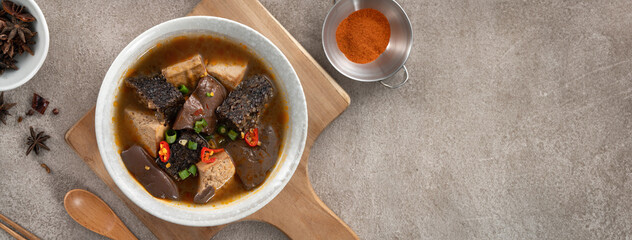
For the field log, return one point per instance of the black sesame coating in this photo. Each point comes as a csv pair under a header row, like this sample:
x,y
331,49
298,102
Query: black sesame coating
x,y
181,157
156,93
243,107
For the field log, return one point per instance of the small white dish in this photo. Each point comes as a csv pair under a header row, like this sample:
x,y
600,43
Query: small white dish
x,y
292,145
29,65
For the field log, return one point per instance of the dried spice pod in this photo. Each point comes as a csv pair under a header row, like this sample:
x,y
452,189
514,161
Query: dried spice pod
x,y
25,17
7,62
4,109
24,47
36,141
12,8
16,34
45,167
17,28
39,103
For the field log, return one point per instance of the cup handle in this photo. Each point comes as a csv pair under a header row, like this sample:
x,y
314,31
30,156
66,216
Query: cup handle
x,y
399,84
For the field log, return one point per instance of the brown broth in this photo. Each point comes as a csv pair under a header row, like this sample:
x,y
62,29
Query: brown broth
x,y
213,49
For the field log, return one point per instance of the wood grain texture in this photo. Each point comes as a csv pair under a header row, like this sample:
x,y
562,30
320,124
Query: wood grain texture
x,y
11,232
17,227
297,210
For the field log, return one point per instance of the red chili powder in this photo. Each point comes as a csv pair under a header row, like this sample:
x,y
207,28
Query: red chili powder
x,y
363,35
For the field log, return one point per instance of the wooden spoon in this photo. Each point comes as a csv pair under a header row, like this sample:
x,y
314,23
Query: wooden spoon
x,y
93,213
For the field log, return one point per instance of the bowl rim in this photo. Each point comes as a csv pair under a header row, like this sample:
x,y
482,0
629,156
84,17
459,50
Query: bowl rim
x,y
245,205
38,11
338,68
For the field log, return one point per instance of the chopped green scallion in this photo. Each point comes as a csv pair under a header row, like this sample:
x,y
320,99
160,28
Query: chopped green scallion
x,y
184,174
193,170
221,129
200,125
170,136
183,89
192,145
232,135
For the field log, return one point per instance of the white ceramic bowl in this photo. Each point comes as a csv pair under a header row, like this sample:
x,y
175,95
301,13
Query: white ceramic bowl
x,y
292,146
29,65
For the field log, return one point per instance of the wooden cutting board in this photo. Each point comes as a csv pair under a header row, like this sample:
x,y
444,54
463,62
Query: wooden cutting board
x,y
296,211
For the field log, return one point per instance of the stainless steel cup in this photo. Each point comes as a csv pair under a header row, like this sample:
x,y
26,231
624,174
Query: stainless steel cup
x,y
387,64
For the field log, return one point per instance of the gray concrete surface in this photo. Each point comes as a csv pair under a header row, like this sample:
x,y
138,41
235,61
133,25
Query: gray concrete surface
x,y
516,123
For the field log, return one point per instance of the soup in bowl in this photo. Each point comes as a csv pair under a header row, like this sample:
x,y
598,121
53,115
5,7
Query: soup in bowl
x,y
201,121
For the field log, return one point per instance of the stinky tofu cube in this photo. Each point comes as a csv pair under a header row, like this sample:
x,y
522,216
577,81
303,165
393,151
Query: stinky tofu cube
x,y
186,72
148,128
213,176
230,74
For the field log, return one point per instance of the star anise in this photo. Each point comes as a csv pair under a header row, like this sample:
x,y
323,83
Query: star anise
x,y
11,7
23,46
36,141
7,62
16,34
3,23
7,48
4,109
17,11
19,28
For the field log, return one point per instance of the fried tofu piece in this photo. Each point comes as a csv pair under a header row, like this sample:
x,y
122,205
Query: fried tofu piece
x,y
213,176
148,128
228,73
186,72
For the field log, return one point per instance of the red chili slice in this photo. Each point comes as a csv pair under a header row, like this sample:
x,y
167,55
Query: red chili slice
x,y
252,137
206,154
164,151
